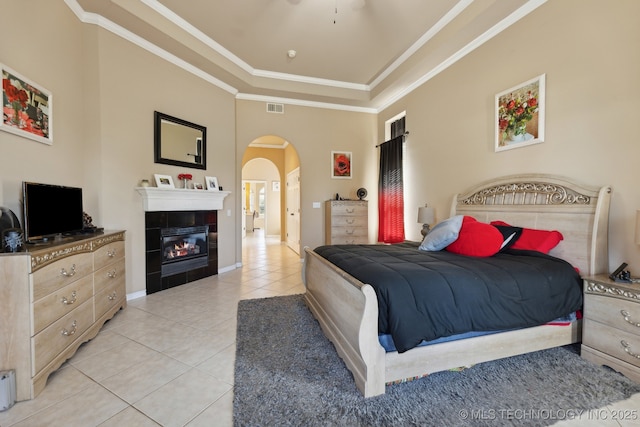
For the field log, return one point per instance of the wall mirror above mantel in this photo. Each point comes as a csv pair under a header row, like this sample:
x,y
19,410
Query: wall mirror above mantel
x,y
179,142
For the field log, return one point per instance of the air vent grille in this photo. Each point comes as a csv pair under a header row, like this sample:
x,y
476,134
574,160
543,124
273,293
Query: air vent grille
x,y
275,108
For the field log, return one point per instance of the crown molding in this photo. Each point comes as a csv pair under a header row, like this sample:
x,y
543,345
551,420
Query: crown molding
x,y
381,105
305,103
514,17
92,18
275,146
446,19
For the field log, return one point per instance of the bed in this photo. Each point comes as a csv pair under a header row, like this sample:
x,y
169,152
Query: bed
x,y
347,309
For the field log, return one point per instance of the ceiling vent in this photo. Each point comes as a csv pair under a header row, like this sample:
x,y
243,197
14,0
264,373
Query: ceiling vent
x,y
275,108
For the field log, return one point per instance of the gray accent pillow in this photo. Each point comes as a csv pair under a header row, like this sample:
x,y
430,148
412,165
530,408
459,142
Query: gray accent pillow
x,y
442,235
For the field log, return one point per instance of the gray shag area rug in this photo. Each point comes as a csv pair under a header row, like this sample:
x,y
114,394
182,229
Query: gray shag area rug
x,y
288,373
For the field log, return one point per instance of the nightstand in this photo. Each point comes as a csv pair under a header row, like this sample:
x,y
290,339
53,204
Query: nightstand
x,y
611,325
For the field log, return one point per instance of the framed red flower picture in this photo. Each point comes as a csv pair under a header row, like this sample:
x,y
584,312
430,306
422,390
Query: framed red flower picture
x,y
520,115
26,107
341,164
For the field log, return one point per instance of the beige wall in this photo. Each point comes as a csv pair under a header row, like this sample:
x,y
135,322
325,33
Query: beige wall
x,y
134,84
314,133
54,60
291,159
589,51
105,91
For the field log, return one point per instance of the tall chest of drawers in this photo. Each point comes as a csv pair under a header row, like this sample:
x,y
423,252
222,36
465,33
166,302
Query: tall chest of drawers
x,y
346,222
611,325
53,298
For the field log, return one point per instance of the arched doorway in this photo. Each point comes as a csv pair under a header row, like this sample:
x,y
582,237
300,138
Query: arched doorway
x,y
261,197
260,157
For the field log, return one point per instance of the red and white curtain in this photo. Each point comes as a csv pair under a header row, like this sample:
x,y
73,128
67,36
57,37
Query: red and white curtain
x,y
390,191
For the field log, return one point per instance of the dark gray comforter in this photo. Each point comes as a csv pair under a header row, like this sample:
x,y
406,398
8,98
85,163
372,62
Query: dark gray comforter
x,y
428,295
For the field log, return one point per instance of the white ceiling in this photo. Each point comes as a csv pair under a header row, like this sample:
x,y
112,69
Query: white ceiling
x,y
352,54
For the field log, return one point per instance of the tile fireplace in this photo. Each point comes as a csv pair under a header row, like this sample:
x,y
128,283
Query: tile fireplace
x,y
181,246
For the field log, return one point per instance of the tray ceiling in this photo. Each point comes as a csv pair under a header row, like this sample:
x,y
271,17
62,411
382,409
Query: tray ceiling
x,y
352,54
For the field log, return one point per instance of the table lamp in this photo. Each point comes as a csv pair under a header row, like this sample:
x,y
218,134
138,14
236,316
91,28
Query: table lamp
x,y
426,216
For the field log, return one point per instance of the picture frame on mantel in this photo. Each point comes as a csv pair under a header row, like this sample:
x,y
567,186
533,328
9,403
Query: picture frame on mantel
x,y
27,107
212,183
164,181
520,115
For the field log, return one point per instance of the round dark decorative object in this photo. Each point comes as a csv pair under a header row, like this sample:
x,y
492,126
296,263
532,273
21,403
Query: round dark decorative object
x,y
362,193
8,221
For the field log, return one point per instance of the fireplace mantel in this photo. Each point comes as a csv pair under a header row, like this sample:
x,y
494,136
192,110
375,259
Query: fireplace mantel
x,y
180,199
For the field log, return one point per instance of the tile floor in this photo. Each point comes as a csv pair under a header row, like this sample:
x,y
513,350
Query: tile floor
x,y
168,359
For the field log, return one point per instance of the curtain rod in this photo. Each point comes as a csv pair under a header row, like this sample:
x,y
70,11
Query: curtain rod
x,y
404,137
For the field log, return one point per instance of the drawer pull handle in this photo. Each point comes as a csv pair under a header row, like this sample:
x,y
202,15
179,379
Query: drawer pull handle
x,y
349,231
111,274
627,348
111,254
73,299
350,221
350,210
72,331
70,273
112,296
627,317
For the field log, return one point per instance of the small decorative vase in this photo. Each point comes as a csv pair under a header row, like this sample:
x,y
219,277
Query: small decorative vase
x,y
515,138
186,183
518,134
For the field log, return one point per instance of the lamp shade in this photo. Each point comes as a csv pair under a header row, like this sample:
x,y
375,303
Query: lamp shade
x,y
425,215
638,227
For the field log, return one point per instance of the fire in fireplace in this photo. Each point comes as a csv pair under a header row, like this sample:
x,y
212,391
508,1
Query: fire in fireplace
x,y
184,249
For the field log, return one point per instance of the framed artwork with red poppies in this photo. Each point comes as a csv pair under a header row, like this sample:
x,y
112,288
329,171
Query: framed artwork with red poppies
x,y
341,164
520,115
26,107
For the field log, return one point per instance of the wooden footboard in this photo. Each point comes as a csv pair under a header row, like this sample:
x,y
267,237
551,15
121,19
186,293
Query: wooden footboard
x,y
425,360
347,311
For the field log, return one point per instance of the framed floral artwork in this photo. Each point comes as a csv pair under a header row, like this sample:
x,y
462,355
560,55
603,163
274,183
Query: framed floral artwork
x,y
520,115
26,107
341,164
212,183
163,181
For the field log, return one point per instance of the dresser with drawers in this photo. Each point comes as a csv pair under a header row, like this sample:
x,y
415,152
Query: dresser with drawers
x,y
53,298
611,325
346,222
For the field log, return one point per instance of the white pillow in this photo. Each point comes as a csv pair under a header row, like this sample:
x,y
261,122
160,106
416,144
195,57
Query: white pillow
x,y
442,235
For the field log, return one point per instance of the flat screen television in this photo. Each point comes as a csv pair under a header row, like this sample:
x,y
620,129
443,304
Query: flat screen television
x,y
50,210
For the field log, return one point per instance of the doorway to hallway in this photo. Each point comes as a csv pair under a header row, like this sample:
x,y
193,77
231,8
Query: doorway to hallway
x,y
271,191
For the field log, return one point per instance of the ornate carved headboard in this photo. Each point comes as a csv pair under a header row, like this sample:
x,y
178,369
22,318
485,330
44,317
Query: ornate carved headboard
x,y
548,202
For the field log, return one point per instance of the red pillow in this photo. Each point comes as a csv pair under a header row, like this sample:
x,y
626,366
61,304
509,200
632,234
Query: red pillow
x,y
535,240
476,239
